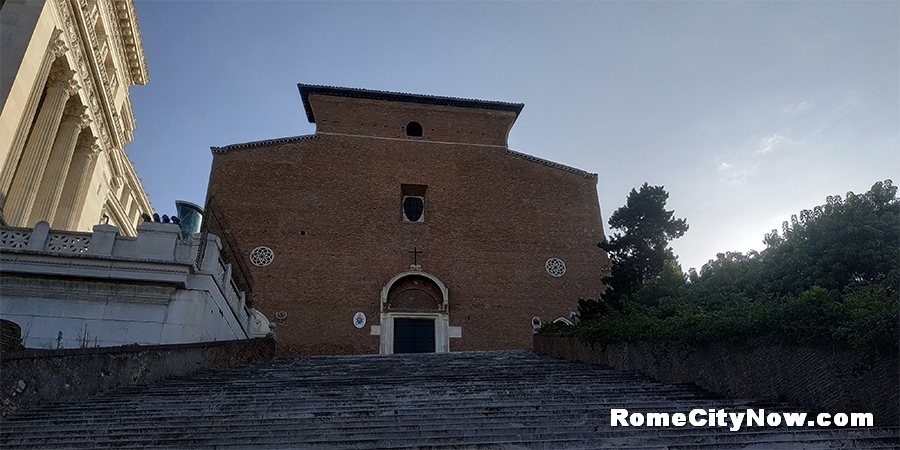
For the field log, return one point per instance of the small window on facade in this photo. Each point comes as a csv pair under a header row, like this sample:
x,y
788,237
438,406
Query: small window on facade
x,y
413,209
413,202
414,129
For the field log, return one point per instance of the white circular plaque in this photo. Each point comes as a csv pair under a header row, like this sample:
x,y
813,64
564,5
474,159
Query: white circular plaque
x,y
262,256
359,320
555,267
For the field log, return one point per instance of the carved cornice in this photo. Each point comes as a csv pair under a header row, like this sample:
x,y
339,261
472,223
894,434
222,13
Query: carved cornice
x,y
130,36
79,58
78,19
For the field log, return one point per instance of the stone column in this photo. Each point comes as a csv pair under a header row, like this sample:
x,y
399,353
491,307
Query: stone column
x,y
74,120
77,183
55,49
20,200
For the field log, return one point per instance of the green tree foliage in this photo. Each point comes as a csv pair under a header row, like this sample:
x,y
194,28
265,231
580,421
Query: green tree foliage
x,y
830,277
848,241
639,250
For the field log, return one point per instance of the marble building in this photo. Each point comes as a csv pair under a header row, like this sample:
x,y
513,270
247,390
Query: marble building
x,y
65,72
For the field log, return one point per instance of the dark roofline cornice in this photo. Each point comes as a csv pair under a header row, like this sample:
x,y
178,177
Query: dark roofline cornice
x,y
265,143
306,89
588,175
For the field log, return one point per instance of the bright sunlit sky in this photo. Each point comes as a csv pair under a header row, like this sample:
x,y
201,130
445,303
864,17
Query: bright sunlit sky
x,y
747,112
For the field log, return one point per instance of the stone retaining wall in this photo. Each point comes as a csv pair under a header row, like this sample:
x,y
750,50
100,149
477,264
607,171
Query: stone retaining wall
x,y
828,381
31,377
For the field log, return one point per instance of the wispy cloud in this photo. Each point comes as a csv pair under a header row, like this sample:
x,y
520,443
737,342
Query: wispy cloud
x,y
769,144
796,109
734,174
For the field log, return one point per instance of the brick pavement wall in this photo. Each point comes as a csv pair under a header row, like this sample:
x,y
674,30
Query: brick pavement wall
x,y
31,377
827,380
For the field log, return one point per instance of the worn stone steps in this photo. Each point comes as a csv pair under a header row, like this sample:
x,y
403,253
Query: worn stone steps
x,y
449,406
461,400
328,431
545,440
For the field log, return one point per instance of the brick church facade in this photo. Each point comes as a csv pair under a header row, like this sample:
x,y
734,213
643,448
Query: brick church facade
x,y
405,224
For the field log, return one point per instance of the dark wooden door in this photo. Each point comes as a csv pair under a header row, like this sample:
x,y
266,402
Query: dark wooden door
x,y
413,335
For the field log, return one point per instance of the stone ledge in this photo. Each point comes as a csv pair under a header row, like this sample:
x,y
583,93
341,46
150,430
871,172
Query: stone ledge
x,y
31,377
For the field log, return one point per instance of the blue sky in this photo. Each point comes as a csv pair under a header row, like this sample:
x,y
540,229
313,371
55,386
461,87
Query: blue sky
x,y
747,112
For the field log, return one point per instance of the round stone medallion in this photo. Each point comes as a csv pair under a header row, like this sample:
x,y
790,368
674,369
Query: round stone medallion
x,y
262,256
555,267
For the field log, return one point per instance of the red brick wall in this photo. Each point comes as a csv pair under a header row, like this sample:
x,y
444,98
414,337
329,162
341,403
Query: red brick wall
x,y
388,120
330,209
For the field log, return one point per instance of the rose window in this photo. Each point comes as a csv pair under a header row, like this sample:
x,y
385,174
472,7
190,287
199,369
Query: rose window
x,y
262,256
555,267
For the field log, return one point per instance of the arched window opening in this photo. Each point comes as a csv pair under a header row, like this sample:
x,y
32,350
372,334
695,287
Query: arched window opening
x,y
414,129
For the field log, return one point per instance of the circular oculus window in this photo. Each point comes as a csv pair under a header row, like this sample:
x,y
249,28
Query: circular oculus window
x,y
555,267
262,256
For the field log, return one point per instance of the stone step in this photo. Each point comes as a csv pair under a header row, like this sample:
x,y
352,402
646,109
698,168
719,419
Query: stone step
x,y
472,437
701,442
177,412
462,400
400,428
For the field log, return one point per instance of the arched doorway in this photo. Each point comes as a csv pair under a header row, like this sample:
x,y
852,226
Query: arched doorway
x,y
414,315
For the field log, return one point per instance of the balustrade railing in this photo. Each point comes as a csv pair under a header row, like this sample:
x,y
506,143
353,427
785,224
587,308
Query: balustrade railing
x,y
224,278
43,239
53,241
14,239
67,243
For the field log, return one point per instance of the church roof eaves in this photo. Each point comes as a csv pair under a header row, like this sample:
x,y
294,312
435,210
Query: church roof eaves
x,y
265,143
588,175
306,89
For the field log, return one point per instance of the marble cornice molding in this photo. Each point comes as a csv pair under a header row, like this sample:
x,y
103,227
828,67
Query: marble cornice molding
x,y
79,59
87,49
123,40
99,291
130,37
87,266
74,44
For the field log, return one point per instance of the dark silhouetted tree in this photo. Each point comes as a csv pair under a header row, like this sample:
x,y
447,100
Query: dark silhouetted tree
x,y
639,249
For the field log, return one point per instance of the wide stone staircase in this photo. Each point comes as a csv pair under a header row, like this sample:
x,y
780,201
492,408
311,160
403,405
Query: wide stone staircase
x,y
496,400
